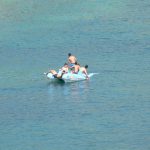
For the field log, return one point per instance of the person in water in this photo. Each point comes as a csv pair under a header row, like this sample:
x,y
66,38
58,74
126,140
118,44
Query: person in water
x,y
71,60
63,70
84,70
76,68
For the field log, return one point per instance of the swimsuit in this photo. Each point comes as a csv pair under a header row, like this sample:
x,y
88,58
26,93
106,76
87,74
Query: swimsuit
x,y
71,65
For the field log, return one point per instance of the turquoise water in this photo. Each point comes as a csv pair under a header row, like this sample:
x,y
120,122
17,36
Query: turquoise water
x,y
111,111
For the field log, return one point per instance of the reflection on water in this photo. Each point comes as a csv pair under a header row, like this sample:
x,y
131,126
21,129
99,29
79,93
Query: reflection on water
x,y
74,89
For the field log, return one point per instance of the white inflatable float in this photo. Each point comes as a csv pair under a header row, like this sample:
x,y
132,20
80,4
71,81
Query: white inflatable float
x,y
68,77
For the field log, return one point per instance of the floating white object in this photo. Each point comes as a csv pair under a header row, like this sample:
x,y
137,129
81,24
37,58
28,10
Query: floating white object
x,y
69,77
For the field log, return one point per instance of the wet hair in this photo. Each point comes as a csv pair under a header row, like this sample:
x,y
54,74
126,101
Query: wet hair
x,y
76,63
69,54
86,66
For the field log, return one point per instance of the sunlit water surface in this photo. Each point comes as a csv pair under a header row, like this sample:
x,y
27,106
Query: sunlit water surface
x,y
108,112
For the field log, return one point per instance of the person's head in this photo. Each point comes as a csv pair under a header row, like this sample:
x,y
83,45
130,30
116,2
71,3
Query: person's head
x,y
76,63
65,65
69,54
86,66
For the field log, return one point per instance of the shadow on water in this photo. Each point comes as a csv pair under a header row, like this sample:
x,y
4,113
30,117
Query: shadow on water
x,y
56,83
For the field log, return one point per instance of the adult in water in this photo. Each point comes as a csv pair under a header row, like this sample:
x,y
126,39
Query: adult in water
x,y
62,71
71,60
65,68
76,68
84,70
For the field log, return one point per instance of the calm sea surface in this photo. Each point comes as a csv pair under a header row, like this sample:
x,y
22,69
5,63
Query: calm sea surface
x,y
109,112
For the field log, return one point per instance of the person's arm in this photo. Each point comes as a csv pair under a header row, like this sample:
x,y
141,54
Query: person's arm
x,y
68,61
85,72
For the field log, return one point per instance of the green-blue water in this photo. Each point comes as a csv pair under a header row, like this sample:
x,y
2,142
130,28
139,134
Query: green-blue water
x,y
109,112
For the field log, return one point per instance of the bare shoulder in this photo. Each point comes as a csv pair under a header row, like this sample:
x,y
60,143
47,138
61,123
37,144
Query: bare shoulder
x,y
72,56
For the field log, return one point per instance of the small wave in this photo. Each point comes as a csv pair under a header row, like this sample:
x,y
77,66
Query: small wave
x,y
92,74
